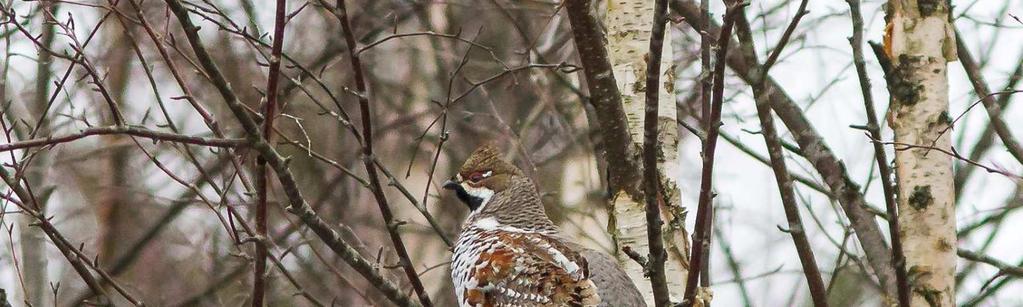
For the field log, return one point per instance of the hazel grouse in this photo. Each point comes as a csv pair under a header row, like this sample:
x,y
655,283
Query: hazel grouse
x,y
509,253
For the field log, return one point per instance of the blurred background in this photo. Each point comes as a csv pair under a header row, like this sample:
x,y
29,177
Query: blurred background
x,y
443,77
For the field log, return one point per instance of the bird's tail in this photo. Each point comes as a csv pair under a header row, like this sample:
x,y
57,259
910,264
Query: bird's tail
x,y
586,294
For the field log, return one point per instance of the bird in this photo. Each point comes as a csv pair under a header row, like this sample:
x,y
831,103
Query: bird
x,y
509,253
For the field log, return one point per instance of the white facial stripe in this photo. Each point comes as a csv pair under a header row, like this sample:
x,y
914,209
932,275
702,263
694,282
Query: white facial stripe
x,y
487,174
479,192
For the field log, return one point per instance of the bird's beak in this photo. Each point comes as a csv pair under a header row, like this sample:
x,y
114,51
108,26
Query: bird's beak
x,y
451,184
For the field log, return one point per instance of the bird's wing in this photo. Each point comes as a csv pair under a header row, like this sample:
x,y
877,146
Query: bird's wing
x,y
530,269
613,285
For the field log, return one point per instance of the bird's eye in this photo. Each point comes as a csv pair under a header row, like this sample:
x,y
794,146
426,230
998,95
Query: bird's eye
x,y
479,176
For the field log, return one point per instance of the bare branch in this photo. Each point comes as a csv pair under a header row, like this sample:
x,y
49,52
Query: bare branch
x,y
814,149
125,130
651,179
367,150
704,212
299,206
774,148
1003,267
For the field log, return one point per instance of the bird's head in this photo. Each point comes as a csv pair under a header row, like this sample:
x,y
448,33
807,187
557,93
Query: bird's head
x,y
482,175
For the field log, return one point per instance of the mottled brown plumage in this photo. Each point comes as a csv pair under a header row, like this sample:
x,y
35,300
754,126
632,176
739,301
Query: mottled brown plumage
x,y
510,253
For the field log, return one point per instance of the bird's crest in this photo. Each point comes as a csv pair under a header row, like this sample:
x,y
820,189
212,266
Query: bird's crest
x,y
487,158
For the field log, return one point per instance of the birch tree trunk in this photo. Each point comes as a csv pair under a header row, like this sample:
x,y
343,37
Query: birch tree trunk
x,y
920,42
628,24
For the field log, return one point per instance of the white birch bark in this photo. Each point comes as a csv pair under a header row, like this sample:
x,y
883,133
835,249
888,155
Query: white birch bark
x,y
628,24
920,42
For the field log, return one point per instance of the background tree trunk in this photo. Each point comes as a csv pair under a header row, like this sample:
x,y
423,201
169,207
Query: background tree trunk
x,y
920,42
116,200
33,249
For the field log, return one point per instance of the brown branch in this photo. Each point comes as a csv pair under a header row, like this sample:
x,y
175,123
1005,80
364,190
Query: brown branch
x,y
815,150
124,130
341,12
298,206
635,256
127,258
818,293
259,274
81,59
704,212
884,169
67,72
1003,267
784,40
391,181
443,118
651,179
604,96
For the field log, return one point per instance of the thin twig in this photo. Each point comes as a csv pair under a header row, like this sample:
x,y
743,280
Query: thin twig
x,y
987,137
953,153
702,230
341,12
298,206
816,151
456,36
733,265
207,117
994,110
1003,267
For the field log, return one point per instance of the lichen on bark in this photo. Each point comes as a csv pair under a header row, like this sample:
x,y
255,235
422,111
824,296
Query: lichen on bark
x,y
904,89
921,197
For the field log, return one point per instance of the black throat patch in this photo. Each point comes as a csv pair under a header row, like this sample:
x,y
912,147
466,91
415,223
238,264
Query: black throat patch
x,y
472,201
